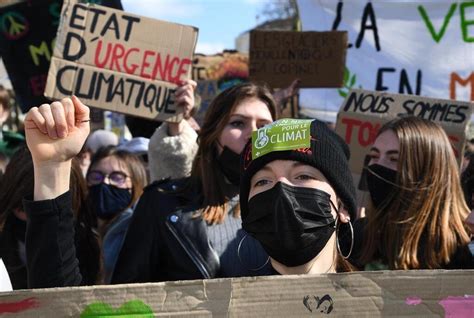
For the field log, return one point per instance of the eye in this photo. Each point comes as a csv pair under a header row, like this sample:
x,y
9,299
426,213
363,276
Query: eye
x,y
118,177
261,183
394,159
237,123
305,177
95,177
374,155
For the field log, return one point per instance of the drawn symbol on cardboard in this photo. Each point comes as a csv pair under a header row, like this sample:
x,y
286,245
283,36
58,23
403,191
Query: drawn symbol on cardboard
x,y
14,25
262,139
315,304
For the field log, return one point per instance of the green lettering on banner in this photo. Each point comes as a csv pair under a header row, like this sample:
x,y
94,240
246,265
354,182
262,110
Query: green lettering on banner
x,y
437,36
465,23
284,134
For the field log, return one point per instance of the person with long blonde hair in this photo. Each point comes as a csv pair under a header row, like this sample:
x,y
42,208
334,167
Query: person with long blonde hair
x,y
418,209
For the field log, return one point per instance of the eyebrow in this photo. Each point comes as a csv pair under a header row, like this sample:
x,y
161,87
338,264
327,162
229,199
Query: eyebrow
x,y
390,152
238,115
248,117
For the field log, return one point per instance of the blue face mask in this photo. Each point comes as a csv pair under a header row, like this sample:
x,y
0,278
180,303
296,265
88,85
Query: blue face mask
x,y
108,200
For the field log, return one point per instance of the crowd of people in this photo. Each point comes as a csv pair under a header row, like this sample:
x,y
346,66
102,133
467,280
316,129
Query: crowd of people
x,y
226,199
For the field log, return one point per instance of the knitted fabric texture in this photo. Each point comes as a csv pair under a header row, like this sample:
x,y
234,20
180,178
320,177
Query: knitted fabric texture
x,y
171,156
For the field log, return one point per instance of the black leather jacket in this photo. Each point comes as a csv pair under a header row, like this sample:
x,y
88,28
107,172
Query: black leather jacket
x,y
165,240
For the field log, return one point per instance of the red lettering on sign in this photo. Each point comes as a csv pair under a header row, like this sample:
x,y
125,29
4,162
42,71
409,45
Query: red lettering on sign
x,y
117,55
349,122
152,65
366,131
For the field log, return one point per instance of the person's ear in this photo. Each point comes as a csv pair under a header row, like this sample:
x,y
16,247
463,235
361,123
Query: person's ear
x,y
343,214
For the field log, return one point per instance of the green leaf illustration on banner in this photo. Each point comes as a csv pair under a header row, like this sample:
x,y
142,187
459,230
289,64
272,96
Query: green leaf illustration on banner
x,y
349,83
133,308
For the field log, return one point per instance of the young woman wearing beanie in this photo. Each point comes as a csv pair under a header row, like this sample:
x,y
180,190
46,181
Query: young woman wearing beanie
x,y
297,196
418,212
181,229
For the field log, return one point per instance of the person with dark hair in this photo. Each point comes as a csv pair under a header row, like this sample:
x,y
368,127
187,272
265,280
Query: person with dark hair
x,y
19,184
418,210
191,228
297,196
116,179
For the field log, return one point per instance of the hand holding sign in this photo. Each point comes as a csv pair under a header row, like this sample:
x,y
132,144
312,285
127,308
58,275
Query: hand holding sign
x,y
184,97
184,100
56,132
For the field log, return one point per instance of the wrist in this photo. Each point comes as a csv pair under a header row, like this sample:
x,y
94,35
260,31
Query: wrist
x,y
175,128
51,179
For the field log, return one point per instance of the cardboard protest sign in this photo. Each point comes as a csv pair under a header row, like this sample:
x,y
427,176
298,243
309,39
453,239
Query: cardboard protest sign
x,y
407,47
418,293
364,112
119,61
316,58
215,73
27,35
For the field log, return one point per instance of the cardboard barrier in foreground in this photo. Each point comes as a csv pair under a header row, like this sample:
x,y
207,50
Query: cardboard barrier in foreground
x,y
364,112
316,58
119,61
360,294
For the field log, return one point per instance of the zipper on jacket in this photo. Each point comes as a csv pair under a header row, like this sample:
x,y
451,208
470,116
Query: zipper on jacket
x,y
188,251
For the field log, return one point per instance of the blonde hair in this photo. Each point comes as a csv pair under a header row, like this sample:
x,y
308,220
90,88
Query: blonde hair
x,y
422,225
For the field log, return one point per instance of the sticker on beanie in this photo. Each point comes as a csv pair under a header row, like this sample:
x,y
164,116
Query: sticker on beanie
x,y
283,134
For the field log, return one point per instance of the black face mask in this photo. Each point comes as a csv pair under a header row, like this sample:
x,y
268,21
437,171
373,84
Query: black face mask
x,y
108,200
229,162
381,183
293,224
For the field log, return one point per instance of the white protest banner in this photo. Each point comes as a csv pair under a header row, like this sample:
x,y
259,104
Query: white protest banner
x,y
412,47
118,61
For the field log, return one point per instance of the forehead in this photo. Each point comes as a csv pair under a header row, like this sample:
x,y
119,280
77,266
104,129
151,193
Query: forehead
x,y
252,107
283,167
111,163
387,141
